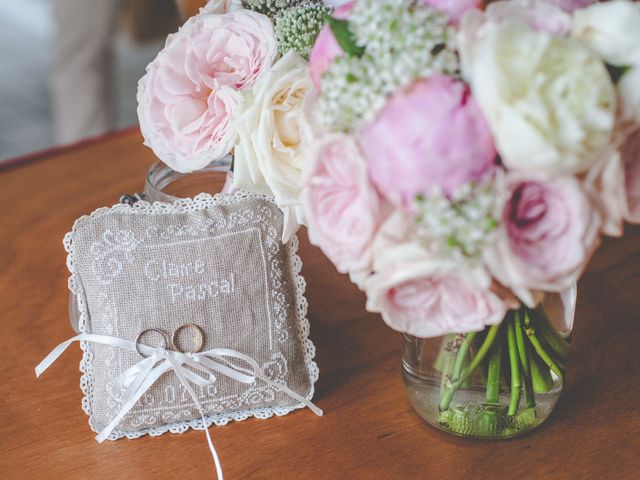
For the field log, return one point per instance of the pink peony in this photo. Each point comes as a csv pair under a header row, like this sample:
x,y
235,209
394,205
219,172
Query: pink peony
x,y
431,135
455,9
548,232
429,297
326,47
342,208
187,100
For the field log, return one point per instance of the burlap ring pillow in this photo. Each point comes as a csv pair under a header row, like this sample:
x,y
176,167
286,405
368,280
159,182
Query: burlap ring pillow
x,y
217,262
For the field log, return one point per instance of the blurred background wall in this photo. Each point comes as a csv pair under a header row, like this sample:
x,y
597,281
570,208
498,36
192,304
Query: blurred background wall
x,y
61,61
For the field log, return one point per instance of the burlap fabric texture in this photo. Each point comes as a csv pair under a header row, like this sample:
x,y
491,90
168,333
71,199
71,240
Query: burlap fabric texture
x,y
217,262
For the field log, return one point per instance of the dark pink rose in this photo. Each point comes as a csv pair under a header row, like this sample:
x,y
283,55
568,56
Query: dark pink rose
x,y
549,229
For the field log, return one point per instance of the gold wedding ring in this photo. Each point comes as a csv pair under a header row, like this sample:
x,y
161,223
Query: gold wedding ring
x,y
163,334
199,336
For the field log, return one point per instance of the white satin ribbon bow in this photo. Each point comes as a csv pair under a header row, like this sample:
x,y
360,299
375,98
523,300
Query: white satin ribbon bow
x,y
136,381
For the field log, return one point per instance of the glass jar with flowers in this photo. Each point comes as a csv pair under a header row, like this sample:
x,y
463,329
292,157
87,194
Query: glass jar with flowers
x,y
463,163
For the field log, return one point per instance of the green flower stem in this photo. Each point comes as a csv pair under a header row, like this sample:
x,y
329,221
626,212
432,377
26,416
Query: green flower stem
x,y
493,376
482,352
452,386
453,374
536,325
557,343
540,376
444,354
523,354
537,345
462,355
447,359
516,385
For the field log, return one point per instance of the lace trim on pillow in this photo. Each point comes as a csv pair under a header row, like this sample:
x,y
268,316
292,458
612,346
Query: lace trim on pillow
x,y
200,202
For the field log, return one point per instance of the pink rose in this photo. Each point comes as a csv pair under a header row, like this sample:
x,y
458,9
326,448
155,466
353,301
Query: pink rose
x,y
548,232
429,297
454,8
342,208
431,135
326,48
615,182
605,182
187,100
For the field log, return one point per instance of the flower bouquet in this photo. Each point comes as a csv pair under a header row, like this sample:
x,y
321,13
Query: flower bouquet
x,y
462,164
232,81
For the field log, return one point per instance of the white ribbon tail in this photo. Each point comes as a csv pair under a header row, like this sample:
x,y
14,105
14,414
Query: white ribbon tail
x,y
214,453
55,353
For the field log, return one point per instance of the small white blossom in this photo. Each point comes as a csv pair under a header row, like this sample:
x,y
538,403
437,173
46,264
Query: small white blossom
x,y
403,42
460,225
270,8
298,27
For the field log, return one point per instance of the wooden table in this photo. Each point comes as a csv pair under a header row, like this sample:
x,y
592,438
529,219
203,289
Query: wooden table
x,y
369,430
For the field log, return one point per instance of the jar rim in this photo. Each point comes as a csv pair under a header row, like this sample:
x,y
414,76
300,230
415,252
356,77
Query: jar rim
x,y
160,176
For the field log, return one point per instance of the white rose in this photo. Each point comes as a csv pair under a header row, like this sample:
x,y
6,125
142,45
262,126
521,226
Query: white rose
x,y
269,157
549,101
610,29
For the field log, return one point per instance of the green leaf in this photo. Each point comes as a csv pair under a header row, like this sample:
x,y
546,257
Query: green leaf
x,y
344,37
616,72
492,224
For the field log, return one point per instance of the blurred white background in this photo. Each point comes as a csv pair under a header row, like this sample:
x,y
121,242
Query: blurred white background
x,y
27,55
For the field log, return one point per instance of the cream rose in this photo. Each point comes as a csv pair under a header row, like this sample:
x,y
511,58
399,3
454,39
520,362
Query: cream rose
x,y
611,29
549,101
268,155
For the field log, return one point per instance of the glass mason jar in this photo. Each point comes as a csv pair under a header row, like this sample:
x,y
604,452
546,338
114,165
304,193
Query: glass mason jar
x,y
498,383
166,185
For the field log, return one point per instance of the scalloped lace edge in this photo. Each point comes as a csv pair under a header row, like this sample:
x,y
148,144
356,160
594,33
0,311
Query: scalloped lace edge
x,y
200,202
